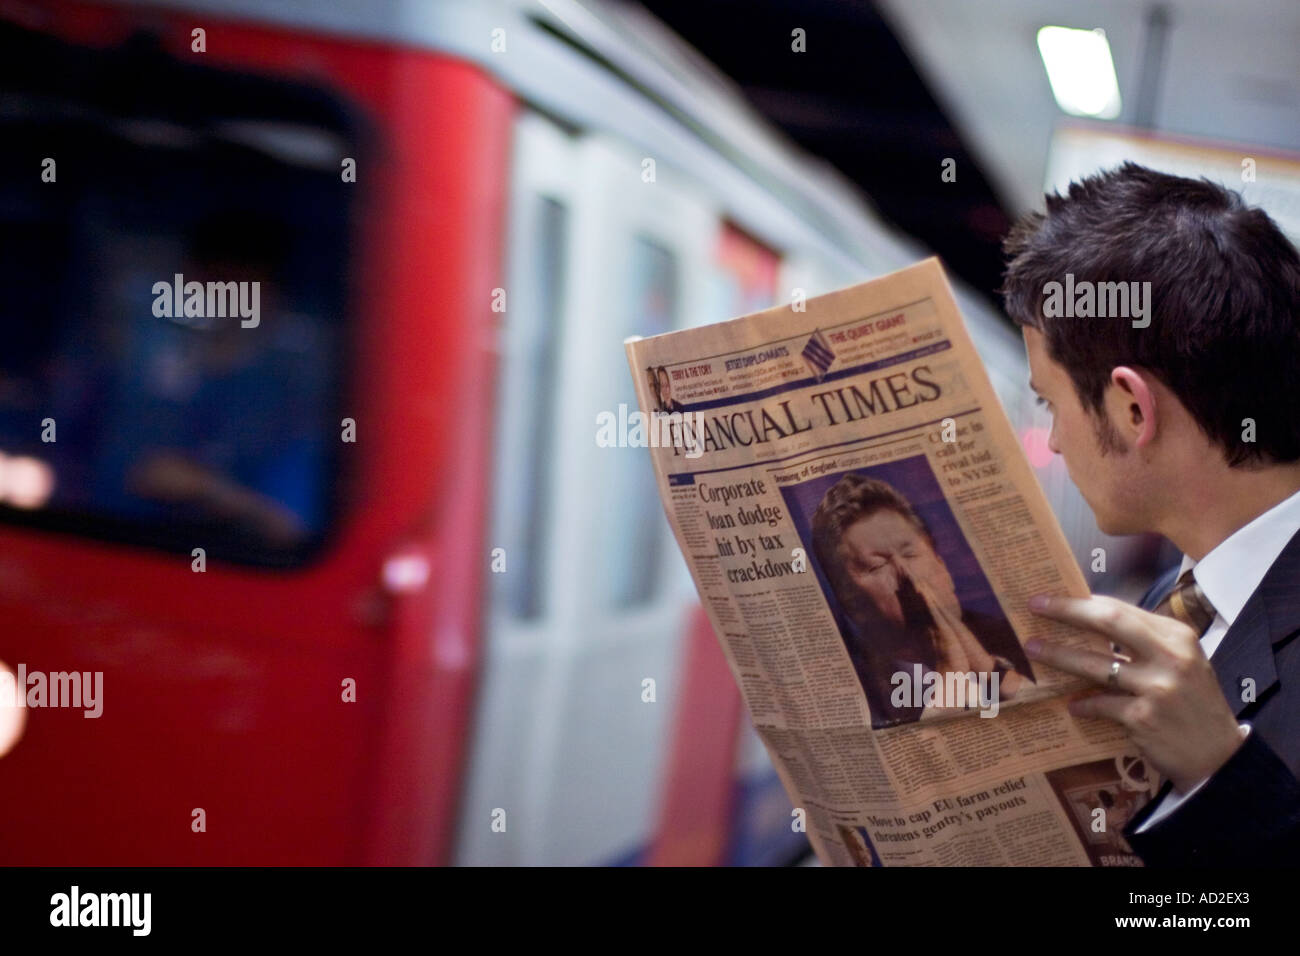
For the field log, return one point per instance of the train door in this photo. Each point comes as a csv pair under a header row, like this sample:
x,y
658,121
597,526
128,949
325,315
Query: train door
x,y
520,593
634,616
175,543
811,276
589,598
722,800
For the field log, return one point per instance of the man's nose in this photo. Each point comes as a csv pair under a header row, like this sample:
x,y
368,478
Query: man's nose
x,y
904,565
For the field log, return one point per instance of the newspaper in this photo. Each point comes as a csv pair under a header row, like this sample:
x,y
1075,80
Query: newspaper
x,y
865,532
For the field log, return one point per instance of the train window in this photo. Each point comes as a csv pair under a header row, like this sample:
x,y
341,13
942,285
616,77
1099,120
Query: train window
x,y
172,306
632,550
529,387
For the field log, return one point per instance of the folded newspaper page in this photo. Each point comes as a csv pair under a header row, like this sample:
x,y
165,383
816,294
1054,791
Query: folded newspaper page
x,y
865,532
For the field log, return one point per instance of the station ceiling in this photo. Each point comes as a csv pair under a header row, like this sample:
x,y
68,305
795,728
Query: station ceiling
x,y
887,90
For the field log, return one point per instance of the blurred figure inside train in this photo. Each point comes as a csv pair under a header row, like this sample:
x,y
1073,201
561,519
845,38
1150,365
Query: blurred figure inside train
x,y
209,397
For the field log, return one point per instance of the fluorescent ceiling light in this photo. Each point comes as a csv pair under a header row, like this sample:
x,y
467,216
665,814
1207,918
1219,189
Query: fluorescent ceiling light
x,y
1081,71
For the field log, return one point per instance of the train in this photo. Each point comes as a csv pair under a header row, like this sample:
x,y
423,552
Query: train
x,y
360,584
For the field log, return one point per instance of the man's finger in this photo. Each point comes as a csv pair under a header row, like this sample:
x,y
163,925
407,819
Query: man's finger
x,y
1082,663
1119,622
1116,707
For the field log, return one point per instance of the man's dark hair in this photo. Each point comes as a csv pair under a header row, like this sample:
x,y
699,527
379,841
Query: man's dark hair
x,y
848,501
1224,332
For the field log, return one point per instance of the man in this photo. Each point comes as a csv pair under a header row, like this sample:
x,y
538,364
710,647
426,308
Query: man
x,y
902,607
652,379
666,393
214,422
859,846
1185,422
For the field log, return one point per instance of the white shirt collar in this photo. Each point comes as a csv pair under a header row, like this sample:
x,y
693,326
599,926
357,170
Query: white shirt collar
x,y
1234,568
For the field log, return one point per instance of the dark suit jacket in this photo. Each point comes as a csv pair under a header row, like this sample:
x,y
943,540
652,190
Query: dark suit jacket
x,y
1247,814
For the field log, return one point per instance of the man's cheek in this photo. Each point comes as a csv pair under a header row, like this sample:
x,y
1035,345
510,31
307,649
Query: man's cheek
x,y
880,598
860,583
932,574
889,607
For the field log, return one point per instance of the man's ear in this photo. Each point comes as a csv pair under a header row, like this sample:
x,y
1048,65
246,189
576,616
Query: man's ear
x,y
1132,404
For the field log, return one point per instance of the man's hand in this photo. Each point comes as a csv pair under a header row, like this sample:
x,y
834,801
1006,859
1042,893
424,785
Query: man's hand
x,y
1167,695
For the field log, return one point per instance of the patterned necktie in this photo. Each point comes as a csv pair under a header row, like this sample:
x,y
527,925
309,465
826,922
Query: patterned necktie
x,y
1188,603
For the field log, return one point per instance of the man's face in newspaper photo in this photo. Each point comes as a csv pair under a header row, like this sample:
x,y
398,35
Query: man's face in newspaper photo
x,y
881,549
1120,806
1099,463
665,387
